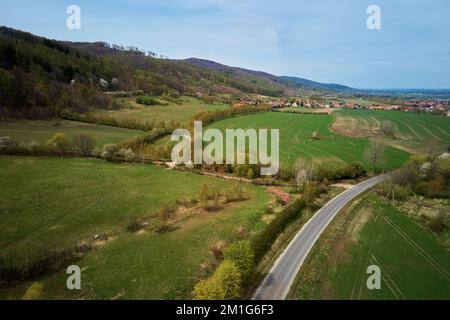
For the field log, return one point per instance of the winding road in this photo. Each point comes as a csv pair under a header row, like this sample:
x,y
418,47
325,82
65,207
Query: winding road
x,y
277,283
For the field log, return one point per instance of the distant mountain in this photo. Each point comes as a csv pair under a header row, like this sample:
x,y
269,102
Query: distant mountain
x,y
308,84
290,83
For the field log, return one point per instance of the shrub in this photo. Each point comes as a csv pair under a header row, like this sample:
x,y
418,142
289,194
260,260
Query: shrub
x,y
242,255
109,151
84,144
61,142
203,196
437,223
126,154
236,193
164,215
392,191
148,101
408,174
8,145
435,187
209,289
224,284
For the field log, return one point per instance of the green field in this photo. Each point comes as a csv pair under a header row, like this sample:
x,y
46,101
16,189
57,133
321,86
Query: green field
x,y
41,131
413,263
296,141
49,203
181,112
413,132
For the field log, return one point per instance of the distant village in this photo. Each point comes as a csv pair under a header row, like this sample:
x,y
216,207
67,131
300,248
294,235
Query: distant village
x,y
441,107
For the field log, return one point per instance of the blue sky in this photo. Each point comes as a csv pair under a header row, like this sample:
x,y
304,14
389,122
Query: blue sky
x,y
322,40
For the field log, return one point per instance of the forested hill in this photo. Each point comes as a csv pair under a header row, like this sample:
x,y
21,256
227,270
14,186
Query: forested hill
x,y
41,77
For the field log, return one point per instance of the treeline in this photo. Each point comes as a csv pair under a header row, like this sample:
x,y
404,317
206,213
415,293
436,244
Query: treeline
x,y
427,176
58,145
289,173
148,125
423,176
208,117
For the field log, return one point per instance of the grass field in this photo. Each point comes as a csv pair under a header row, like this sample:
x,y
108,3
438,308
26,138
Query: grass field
x,y
413,132
49,203
413,263
296,141
42,131
182,112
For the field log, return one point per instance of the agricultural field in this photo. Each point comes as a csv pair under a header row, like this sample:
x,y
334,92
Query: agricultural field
x,y
51,203
412,132
296,141
414,263
180,112
41,131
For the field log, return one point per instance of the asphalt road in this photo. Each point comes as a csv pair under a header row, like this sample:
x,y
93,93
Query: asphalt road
x,y
279,280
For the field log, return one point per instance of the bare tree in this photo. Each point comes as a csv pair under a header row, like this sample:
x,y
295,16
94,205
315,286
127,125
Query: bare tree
x,y
374,154
84,144
303,171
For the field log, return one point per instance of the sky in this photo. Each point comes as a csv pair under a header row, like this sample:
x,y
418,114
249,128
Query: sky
x,y
321,40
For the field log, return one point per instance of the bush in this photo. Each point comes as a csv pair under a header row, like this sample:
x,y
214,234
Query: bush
x,y
235,194
242,255
8,145
84,144
209,289
148,101
108,152
224,284
164,215
60,142
392,191
435,187
203,196
125,154
437,223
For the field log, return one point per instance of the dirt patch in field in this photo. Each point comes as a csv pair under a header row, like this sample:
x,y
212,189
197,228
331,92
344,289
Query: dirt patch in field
x,y
350,127
358,223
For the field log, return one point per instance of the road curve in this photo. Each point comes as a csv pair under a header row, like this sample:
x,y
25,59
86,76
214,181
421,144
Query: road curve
x,y
277,283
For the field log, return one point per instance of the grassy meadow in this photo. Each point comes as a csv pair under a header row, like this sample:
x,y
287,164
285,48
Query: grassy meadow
x,y
42,130
296,141
413,263
50,203
180,112
412,132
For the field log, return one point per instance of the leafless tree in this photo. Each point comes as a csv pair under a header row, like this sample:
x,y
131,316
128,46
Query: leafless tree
x,y
303,171
374,154
84,144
